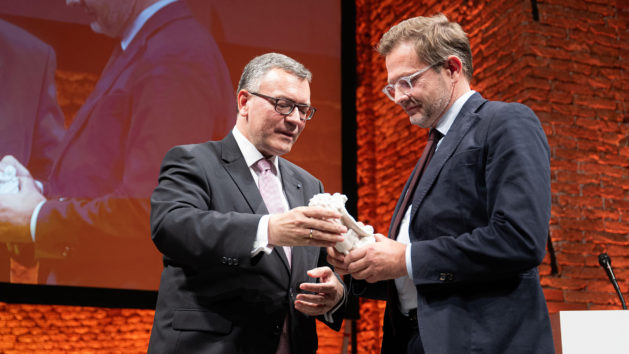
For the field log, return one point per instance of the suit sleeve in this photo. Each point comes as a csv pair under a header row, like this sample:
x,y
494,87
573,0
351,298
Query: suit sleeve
x,y
166,103
49,129
188,225
505,193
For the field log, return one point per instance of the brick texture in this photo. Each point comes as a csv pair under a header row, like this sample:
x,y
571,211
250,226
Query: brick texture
x,y
568,67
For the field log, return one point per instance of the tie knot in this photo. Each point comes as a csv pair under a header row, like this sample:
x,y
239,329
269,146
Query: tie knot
x,y
264,165
434,135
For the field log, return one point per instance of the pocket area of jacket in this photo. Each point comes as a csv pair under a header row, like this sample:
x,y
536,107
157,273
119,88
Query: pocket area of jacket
x,y
195,320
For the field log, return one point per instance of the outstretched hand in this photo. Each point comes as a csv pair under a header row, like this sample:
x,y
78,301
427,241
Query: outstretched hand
x,y
323,295
305,226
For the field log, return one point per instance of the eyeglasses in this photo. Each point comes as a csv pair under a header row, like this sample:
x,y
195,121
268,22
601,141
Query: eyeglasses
x,y
285,107
404,84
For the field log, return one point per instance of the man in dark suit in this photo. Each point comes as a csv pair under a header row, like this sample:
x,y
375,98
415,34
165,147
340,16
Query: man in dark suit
x,y
31,123
165,84
459,270
227,285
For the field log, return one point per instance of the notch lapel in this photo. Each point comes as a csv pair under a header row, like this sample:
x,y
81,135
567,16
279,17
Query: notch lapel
x,y
235,165
466,118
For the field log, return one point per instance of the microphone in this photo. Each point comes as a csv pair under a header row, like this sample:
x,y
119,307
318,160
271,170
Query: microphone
x,y
606,263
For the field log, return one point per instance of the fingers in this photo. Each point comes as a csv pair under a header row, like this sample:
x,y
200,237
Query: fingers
x,y
356,254
380,237
297,228
321,300
27,184
311,308
320,213
337,260
319,288
12,161
320,272
315,237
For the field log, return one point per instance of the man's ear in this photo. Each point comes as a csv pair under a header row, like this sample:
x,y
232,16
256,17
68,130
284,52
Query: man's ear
x,y
454,66
243,98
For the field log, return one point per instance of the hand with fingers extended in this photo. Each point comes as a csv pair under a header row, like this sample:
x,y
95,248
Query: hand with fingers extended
x,y
305,226
323,296
16,210
382,260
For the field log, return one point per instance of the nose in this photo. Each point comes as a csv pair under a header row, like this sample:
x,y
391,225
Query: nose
x,y
294,117
400,97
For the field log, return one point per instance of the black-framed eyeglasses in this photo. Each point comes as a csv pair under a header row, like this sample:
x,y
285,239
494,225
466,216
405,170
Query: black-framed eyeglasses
x,y
405,84
284,106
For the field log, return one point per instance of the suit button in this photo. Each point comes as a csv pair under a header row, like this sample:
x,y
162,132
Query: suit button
x,y
224,260
235,261
446,277
277,330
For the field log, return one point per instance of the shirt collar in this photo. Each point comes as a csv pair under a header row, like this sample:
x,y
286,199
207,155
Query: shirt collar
x,y
249,151
448,118
131,31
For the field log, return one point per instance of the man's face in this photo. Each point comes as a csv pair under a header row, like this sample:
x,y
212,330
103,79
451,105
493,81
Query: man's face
x,y
109,17
431,91
271,132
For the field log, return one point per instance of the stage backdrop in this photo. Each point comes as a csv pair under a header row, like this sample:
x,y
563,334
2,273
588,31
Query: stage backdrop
x,y
309,31
563,60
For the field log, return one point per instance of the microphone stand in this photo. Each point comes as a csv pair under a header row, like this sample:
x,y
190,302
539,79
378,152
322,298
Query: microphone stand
x,y
606,263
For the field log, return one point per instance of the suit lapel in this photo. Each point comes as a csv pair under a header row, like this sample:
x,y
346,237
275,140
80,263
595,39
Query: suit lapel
x,y
292,185
466,118
235,165
119,61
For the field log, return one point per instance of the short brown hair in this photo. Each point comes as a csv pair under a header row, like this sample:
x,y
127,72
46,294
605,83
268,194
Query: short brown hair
x,y
435,38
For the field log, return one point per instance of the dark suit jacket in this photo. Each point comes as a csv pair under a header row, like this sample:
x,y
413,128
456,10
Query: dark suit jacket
x,y
214,297
479,223
31,123
169,87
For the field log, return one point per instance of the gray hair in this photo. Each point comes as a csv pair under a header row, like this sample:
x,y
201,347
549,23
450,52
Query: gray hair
x,y
260,65
435,38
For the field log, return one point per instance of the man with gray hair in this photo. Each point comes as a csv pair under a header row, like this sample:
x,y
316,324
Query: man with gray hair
x,y
459,269
244,261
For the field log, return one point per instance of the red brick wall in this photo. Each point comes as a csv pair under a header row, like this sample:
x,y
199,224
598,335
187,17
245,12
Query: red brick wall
x,y
568,68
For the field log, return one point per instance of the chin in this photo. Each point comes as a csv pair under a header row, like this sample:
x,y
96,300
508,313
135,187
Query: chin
x,y
419,121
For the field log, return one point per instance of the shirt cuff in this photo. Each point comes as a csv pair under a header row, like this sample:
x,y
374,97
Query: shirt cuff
x,y
261,244
409,264
40,186
34,218
328,315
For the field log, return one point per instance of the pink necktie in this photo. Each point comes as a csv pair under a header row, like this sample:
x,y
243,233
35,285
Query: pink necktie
x,y
272,194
